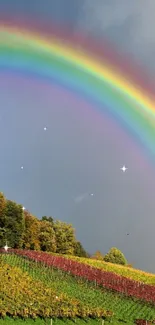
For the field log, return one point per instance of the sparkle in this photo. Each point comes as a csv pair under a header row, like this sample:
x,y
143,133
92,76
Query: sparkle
x,y
23,208
45,128
6,247
124,169
21,167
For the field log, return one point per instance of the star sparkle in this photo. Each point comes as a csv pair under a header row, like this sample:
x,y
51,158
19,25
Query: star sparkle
x,y
6,247
124,169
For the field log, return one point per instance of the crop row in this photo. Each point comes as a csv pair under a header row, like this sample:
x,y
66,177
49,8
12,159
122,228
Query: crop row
x,y
106,279
122,270
22,296
124,308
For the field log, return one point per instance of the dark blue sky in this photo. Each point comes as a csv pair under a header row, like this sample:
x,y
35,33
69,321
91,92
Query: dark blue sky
x,y
82,151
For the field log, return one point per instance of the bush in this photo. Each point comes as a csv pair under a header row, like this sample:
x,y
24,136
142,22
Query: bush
x,y
98,256
115,256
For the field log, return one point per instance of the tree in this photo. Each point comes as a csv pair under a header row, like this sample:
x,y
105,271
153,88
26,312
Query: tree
x,y
2,209
14,223
98,256
47,237
31,233
79,250
2,219
50,219
115,256
65,237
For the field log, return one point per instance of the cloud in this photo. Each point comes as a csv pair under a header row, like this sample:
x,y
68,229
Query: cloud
x,y
97,14
135,20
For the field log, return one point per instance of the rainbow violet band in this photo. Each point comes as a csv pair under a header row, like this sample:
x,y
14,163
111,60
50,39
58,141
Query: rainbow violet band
x,y
52,60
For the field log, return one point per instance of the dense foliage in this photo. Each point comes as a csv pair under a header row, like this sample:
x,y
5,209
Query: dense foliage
x,y
115,256
20,229
23,230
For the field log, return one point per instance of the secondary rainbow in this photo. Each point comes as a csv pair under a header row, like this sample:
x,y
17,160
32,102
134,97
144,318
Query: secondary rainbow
x,y
52,60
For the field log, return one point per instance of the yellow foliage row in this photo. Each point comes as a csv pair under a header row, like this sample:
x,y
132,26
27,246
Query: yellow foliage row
x,y
22,296
125,271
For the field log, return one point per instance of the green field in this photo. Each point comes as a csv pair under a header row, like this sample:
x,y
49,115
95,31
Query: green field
x,y
125,309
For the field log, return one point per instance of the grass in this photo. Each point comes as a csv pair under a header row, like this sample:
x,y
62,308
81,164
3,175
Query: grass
x,y
125,309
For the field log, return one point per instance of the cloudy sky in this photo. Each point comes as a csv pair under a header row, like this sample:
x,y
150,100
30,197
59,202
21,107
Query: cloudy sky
x,y
81,153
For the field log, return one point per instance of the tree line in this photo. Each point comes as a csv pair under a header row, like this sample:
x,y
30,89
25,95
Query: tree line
x,y
20,229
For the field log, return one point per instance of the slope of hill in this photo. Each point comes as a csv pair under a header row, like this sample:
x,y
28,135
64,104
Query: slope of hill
x,y
41,285
131,273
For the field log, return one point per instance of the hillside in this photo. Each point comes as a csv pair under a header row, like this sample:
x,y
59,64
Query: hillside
x,y
46,274
37,284
131,273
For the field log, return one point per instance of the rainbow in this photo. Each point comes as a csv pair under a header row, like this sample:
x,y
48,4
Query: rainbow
x,y
91,76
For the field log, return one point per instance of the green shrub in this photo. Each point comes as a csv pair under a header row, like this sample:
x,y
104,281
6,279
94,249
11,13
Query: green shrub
x,y
115,256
